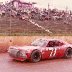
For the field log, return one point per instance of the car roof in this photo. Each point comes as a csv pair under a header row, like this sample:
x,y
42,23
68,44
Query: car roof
x,y
46,39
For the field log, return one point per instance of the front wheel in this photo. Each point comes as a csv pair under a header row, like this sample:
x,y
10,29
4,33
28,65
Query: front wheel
x,y
36,56
68,53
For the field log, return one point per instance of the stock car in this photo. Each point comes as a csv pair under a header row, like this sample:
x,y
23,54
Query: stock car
x,y
41,49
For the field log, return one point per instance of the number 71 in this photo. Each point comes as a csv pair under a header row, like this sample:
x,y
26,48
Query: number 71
x,y
53,52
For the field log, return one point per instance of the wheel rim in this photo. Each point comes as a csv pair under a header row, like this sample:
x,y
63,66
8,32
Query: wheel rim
x,y
36,56
69,52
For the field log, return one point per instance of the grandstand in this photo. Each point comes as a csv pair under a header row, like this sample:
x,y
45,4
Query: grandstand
x,y
34,21
25,27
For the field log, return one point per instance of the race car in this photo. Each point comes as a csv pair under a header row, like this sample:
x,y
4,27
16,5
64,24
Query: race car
x,y
41,49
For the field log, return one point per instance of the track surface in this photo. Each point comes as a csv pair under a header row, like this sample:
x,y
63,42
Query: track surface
x,y
55,65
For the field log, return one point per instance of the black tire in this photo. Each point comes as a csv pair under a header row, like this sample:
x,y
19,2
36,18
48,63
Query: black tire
x,y
68,53
35,56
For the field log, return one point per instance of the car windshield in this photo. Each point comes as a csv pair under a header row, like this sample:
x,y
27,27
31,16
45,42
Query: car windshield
x,y
39,42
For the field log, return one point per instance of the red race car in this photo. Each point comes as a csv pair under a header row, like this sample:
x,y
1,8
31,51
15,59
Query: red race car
x,y
41,49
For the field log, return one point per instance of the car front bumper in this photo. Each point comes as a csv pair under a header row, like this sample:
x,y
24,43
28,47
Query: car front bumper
x,y
17,54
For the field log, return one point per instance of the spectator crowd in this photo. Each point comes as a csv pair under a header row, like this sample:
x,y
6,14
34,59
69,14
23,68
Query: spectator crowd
x,y
8,10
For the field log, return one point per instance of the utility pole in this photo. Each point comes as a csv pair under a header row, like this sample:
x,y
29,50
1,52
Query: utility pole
x,y
66,8
10,21
48,6
10,18
66,17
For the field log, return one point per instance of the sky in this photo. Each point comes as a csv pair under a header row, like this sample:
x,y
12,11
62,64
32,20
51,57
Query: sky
x,y
60,4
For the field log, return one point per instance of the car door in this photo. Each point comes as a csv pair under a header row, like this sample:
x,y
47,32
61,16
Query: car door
x,y
53,49
49,51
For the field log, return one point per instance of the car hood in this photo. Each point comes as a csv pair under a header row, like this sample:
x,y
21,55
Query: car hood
x,y
25,47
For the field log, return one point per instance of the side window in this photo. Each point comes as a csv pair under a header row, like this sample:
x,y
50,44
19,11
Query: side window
x,y
51,44
54,43
58,43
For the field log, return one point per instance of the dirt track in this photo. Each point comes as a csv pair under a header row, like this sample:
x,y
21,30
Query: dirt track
x,y
55,65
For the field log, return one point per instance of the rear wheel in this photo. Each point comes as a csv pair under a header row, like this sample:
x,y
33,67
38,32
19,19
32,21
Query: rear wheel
x,y
68,53
36,56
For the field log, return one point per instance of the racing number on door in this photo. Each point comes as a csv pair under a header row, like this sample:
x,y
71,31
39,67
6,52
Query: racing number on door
x,y
53,52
